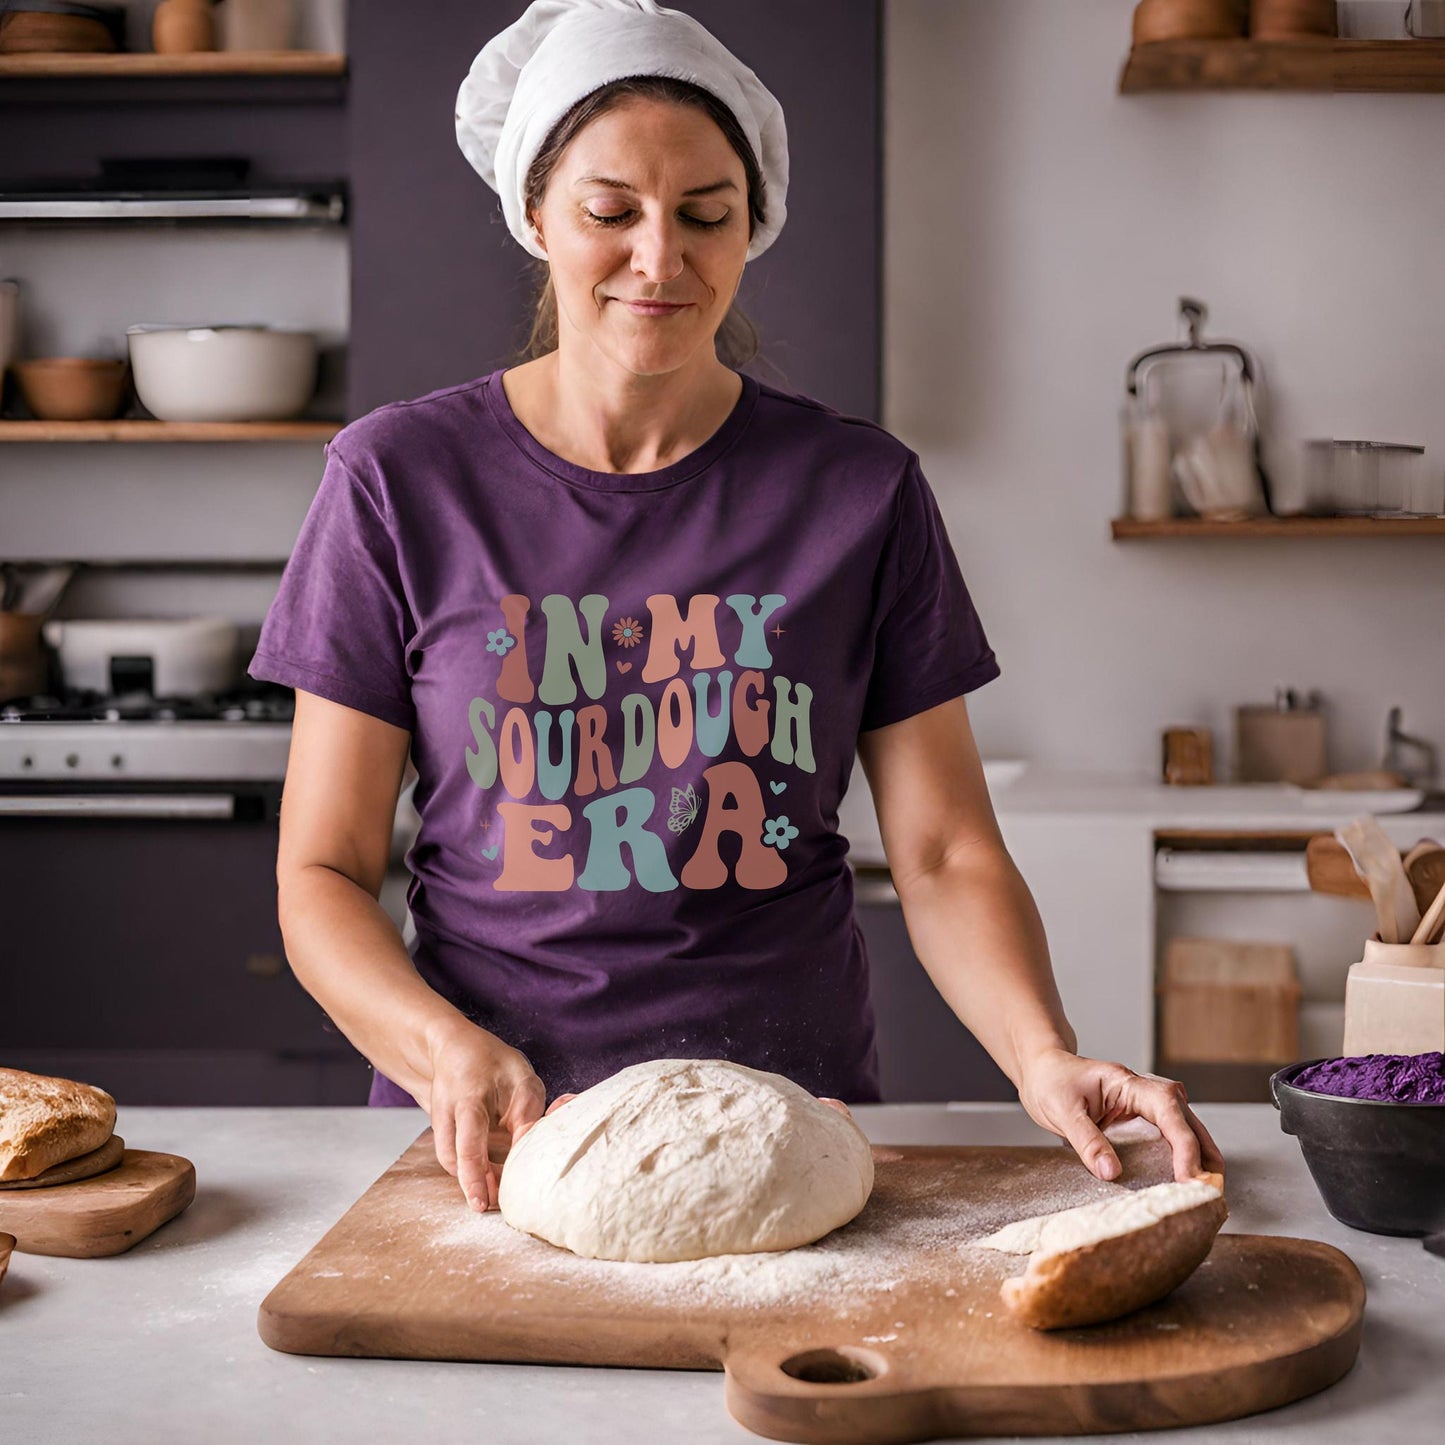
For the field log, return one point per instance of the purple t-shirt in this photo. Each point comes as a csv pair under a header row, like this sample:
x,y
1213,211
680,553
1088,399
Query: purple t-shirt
x,y
634,702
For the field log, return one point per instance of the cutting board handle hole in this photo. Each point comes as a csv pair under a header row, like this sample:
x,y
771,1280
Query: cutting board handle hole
x,y
846,1365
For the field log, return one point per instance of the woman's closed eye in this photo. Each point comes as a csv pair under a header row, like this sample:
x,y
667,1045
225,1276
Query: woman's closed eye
x,y
623,215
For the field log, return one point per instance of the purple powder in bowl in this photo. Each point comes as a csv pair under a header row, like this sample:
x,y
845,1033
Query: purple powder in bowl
x,y
1385,1078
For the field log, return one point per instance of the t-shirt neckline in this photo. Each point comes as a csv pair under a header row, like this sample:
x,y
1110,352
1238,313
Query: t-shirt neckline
x,y
696,461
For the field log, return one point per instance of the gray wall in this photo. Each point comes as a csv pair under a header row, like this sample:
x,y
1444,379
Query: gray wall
x,y
1041,229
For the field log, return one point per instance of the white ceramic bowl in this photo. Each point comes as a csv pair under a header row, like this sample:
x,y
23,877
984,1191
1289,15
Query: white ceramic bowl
x,y
223,372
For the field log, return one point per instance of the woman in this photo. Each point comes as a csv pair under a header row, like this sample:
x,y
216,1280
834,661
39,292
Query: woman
x,y
632,612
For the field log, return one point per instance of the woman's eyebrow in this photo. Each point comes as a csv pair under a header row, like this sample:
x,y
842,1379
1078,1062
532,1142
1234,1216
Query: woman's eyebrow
x,y
623,186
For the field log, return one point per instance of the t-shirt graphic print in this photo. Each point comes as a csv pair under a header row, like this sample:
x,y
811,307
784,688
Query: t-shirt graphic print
x,y
687,699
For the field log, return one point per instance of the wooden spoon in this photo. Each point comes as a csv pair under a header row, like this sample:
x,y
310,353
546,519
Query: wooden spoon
x,y
1431,921
1425,868
1377,860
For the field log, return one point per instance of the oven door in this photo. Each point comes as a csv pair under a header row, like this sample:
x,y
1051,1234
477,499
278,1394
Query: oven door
x,y
140,950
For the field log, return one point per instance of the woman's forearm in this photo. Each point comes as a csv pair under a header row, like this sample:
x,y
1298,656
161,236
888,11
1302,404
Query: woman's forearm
x,y
349,957
976,929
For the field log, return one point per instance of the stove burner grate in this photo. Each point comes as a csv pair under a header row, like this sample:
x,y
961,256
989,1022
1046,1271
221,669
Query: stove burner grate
x,y
261,702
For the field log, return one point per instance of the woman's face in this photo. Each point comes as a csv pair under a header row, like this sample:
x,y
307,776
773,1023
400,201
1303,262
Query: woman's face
x,y
619,226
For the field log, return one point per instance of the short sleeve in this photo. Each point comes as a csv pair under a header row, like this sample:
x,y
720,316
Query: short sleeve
x,y
929,642
339,623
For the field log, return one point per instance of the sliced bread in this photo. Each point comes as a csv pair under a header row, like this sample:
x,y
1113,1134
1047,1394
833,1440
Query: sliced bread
x,y
46,1121
1098,1261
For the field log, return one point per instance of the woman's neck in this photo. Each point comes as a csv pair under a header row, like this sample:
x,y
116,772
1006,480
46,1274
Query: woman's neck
x,y
617,421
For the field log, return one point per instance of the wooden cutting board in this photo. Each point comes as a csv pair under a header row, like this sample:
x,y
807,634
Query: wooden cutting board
x,y
106,1214
890,1329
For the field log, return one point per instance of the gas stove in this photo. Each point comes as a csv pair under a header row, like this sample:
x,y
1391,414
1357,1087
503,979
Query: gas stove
x,y
240,735
264,703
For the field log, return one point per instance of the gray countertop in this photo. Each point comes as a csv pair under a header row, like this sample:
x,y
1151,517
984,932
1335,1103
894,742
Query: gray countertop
x,y
1029,793
160,1344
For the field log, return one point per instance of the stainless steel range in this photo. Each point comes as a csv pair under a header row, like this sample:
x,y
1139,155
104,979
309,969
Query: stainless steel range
x,y
82,737
138,937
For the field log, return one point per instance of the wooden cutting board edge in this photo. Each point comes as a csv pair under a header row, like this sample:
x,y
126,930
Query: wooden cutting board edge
x,y
879,1412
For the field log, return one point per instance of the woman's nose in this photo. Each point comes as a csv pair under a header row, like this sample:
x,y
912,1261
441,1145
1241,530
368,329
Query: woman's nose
x,y
657,247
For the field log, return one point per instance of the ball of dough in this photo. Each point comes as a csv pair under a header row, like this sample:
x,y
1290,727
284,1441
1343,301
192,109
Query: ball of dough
x,y
685,1158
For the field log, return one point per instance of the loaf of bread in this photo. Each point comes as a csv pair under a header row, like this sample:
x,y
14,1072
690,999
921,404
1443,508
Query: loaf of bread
x,y
46,1121
1102,1260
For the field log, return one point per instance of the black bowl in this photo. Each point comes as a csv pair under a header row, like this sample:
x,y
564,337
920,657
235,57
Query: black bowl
x,y
1379,1166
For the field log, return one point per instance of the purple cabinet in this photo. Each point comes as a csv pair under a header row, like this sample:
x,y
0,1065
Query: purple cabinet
x,y
144,956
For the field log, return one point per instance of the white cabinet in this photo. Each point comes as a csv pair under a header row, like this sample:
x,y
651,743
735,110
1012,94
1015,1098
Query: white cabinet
x,y
1093,880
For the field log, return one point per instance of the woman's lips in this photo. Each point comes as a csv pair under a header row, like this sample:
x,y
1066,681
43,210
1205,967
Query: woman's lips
x,y
654,308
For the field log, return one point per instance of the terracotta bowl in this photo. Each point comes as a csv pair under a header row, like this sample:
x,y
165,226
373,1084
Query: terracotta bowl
x,y
24,32
72,388
1292,19
1187,20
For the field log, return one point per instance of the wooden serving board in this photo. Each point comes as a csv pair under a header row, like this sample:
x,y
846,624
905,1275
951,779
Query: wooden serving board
x,y
106,1214
890,1329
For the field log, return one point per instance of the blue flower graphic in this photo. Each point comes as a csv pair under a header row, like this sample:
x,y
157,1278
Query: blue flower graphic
x,y
779,832
500,641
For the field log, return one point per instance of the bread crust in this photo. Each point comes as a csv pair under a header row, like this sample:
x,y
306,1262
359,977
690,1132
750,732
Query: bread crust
x,y
1114,1276
46,1121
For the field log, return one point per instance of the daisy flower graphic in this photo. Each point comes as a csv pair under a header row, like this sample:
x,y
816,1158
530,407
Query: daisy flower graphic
x,y
500,641
778,832
627,633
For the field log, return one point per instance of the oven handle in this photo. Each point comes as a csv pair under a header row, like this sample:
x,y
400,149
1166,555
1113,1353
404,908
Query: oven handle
x,y
118,805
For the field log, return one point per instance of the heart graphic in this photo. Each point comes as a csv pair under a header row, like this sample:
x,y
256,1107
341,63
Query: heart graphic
x,y
624,667
777,787
491,852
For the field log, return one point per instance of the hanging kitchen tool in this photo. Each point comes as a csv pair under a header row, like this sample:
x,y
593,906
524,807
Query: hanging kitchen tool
x,y
1204,392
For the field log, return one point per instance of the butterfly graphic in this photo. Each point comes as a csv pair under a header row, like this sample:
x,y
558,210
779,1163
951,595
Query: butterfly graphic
x,y
684,808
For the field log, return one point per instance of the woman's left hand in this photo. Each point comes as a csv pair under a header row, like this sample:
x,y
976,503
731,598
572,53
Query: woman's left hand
x,y
1078,1098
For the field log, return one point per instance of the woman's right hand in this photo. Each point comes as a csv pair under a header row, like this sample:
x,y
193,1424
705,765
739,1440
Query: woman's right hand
x,y
478,1083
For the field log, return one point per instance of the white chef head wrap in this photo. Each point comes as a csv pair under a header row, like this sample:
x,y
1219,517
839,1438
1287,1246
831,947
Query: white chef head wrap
x,y
529,75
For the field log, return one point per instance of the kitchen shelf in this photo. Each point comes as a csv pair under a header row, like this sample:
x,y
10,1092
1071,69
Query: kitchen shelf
x,y
151,66
321,207
157,564
1127,529
141,430
1304,65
